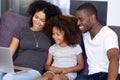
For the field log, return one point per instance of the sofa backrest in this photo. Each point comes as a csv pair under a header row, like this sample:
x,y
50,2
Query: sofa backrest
x,y
8,24
117,31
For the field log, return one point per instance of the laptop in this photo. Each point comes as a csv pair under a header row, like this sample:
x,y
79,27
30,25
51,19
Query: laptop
x,y
6,62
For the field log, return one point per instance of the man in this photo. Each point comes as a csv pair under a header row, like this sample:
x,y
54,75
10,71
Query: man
x,y
101,44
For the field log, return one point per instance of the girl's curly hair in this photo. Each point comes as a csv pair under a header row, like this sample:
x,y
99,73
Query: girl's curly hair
x,y
67,24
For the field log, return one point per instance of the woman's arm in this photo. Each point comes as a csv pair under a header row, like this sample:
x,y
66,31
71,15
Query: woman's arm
x,y
14,45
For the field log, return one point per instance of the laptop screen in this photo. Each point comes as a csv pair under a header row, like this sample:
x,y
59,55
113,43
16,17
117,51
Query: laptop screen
x,y
6,62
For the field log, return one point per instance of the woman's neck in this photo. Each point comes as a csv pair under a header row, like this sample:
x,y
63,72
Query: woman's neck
x,y
35,29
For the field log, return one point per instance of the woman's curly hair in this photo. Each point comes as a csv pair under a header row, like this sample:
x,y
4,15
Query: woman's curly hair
x,y
49,9
72,33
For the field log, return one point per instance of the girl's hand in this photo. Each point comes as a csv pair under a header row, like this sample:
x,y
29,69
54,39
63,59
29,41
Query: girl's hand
x,y
56,70
64,70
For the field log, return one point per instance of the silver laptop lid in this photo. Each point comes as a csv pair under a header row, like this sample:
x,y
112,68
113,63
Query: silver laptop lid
x,y
6,62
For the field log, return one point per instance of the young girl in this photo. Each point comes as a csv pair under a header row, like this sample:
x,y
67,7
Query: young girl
x,y
65,56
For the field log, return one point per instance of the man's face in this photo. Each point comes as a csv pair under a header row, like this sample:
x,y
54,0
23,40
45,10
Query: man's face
x,y
84,22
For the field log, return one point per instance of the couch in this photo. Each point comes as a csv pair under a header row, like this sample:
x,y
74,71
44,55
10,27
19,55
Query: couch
x,y
9,21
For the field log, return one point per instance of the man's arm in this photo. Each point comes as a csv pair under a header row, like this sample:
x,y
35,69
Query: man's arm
x,y
113,56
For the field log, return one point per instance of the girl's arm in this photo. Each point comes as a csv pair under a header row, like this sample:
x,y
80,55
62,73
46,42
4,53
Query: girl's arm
x,y
14,45
76,68
48,66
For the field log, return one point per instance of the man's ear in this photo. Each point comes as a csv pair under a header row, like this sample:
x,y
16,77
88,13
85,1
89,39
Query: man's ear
x,y
92,18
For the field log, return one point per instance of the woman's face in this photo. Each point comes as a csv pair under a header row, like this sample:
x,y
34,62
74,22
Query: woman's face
x,y
39,20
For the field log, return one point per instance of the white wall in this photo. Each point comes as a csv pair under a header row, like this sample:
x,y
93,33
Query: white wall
x,y
113,13
63,4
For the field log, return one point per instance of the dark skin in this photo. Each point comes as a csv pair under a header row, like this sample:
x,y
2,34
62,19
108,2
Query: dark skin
x,y
89,23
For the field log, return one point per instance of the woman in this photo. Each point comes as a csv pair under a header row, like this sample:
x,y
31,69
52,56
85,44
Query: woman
x,y
32,42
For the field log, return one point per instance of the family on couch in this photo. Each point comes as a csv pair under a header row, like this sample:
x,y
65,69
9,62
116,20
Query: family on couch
x,y
101,45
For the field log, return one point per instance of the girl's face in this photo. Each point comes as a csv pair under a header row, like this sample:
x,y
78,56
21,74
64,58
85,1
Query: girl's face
x,y
58,36
39,20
